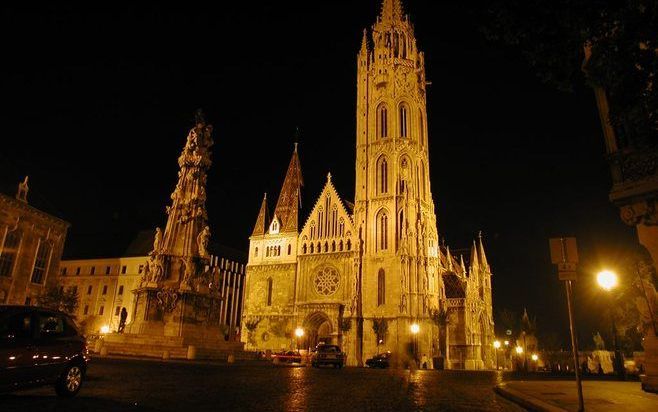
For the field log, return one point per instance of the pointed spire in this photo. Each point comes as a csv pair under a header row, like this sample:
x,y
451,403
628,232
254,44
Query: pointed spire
x,y
263,218
364,41
461,259
391,11
474,257
482,256
290,199
22,190
449,257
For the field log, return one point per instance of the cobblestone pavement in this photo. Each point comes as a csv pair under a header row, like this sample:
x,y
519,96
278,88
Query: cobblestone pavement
x,y
117,385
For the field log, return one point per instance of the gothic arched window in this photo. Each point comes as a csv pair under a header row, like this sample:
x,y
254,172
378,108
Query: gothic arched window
x,y
8,252
421,128
382,230
403,119
40,269
382,175
382,121
381,288
256,252
269,291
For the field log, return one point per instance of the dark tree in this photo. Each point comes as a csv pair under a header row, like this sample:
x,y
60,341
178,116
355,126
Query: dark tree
x,y
621,39
58,298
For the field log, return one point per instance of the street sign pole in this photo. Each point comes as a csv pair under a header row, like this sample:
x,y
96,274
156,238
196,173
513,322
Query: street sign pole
x,y
564,254
574,345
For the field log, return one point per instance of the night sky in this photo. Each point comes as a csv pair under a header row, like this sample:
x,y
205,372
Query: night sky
x,y
97,103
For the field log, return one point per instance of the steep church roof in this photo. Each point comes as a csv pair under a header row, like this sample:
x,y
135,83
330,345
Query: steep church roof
x,y
263,218
290,198
331,199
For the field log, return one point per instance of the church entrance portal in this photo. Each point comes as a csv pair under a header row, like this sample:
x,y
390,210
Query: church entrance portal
x,y
318,329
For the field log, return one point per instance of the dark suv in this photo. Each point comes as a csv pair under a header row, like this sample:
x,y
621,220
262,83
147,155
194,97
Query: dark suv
x,y
328,355
40,347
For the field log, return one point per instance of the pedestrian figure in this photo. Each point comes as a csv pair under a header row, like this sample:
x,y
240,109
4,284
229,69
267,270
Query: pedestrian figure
x,y
122,321
424,361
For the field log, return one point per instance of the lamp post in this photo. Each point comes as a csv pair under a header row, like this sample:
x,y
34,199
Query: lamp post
x,y
519,352
496,346
415,328
507,353
608,280
299,333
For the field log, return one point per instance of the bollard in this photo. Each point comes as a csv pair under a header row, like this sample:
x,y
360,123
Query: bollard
x,y
230,358
165,355
191,352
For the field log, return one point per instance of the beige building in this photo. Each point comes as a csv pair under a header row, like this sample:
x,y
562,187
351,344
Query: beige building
x,y
368,275
106,285
31,245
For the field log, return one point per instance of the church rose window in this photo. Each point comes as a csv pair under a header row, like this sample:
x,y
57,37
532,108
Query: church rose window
x,y
326,281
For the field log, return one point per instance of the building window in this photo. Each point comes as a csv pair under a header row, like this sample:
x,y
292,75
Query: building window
x,y
41,262
77,271
382,122
64,271
117,311
421,128
256,252
269,292
86,311
8,253
141,269
104,289
382,175
381,288
121,290
123,270
92,271
422,181
28,301
89,288
289,249
382,230
101,310
403,118
107,270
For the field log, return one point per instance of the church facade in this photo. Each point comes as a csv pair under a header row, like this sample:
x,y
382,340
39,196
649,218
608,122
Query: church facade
x,y
371,275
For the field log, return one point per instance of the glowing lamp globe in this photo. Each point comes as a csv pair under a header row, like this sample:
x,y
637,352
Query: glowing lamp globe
x,y
415,328
535,357
519,350
607,279
105,329
496,344
299,332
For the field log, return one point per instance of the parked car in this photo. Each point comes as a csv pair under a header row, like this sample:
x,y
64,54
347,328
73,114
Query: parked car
x,y
381,360
328,355
287,357
40,347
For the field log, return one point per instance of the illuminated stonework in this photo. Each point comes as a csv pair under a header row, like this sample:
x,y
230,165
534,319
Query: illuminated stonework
x,y
384,247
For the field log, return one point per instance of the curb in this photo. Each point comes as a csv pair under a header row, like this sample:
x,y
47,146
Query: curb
x,y
529,402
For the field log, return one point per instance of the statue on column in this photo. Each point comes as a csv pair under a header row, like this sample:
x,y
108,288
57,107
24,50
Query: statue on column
x,y
202,241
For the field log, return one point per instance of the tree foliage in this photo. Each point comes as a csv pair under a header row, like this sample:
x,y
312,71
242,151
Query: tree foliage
x,y
380,327
58,298
622,37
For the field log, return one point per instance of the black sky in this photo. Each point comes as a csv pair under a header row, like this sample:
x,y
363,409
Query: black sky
x,y
96,104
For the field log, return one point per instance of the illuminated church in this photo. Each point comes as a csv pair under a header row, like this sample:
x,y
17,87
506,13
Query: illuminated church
x,y
371,275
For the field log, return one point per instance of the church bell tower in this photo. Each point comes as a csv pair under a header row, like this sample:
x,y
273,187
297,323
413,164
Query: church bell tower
x,y
394,211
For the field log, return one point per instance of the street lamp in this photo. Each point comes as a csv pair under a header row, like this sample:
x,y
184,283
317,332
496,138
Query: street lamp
x,y
496,346
105,329
415,328
519,350
609,280
535,357
299,332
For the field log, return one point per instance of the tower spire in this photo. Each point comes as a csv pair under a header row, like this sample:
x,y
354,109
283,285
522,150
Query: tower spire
x,y
483,257
391,11
290,199
263,218
449,257
474,258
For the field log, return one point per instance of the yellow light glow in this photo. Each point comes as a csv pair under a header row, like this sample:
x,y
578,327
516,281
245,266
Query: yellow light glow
x,y
607,279
299,332
506,343
105,329
535,357
496,344
519,350
415,328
